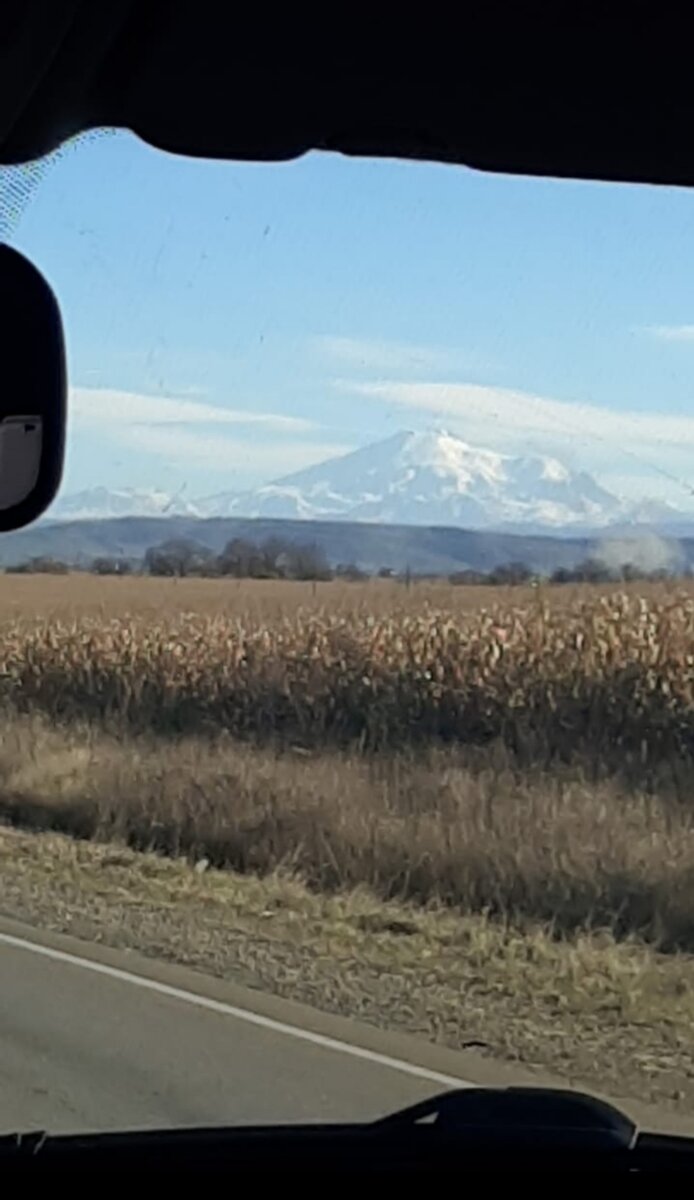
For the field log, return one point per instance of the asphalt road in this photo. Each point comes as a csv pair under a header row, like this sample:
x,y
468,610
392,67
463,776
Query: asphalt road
x,y
81,1050
93,1038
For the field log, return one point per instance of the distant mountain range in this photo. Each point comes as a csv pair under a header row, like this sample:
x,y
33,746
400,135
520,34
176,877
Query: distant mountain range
x,y
424,501
434,550
102,503
432,479
421,479
419,548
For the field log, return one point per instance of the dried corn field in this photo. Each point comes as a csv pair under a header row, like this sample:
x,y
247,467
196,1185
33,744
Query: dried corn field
x,y
604,677
517,752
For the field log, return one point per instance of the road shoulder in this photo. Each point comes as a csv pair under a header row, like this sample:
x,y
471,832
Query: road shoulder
x,y
238,940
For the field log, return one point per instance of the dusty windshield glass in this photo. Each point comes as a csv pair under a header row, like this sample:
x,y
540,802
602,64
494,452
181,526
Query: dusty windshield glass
x,y
348,684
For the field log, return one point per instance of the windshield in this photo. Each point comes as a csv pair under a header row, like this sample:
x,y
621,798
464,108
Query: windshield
x,y
348,684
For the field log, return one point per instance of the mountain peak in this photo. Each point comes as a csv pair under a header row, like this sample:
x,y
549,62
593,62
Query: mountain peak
x,y
433,477
427,477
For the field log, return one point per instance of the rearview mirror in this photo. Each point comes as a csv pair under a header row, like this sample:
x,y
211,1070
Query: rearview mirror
x,y
33,389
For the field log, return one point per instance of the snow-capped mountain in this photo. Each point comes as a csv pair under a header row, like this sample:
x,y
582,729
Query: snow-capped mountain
x,y
102,502
432,478
429,478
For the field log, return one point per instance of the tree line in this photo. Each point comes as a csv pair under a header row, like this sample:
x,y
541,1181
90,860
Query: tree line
x,y
179,558
275,558
240,559
591,570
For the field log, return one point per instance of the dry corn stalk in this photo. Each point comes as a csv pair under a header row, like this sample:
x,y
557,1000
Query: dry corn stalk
x,y
615,672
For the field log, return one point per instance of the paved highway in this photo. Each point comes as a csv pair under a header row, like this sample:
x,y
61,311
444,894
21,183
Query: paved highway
x,y
92,1039
86,1045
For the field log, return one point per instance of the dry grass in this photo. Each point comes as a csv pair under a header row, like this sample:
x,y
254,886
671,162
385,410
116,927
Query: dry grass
x,y
607,677
448,827
467,812
532,759
72,597
611,1016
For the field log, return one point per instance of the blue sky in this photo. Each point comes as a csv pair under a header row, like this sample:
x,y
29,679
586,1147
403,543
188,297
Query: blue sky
x,y
229,323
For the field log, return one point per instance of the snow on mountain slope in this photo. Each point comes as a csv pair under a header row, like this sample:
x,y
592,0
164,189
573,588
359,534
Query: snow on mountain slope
x,y
431,478
102,502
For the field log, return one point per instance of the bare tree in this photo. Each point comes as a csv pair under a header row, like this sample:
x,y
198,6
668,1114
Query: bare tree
x,y
110,566
308,562
350,572
513,574
178,557
41,565
238,558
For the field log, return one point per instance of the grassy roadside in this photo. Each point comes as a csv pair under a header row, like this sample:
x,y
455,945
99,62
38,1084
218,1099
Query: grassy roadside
x,y
531,889
459,828
615,1016
447,895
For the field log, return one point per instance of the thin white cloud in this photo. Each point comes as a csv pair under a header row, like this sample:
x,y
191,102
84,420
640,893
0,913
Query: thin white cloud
x,y
186,434
659,446
637,486
189,448
671,333
373,354
106,407
193,391
507,414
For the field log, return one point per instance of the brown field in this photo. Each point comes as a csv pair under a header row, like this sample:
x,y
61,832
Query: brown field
x,y
600,678
531,756
505,772
469,832
79,595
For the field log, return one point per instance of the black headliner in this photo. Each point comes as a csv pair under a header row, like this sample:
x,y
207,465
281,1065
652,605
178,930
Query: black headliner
x,y
536,89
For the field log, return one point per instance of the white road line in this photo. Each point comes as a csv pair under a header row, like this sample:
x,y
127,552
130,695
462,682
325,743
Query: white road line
x,y
240,1014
